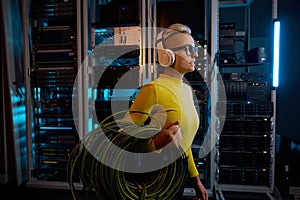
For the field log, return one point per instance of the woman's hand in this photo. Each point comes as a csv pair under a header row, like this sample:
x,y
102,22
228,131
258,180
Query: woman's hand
x,y
200,189
169,133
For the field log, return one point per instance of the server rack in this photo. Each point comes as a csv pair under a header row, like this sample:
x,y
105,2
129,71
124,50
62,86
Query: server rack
x,y
54,36
111,62
106,41
116,56
245,152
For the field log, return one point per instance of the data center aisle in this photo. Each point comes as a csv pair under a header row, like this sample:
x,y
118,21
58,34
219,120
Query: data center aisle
x,y
22,192
9,192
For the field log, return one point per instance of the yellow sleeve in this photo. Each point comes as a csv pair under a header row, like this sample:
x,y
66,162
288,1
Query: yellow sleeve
x,y
139,113
141,108
191,164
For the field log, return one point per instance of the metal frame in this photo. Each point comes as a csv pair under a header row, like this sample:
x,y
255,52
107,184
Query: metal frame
x,y
214,86
3,144
235,3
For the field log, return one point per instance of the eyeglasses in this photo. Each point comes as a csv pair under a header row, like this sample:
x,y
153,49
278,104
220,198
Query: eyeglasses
x,y
189,49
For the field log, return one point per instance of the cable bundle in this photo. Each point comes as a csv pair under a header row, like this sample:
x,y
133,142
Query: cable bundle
x,y
112,183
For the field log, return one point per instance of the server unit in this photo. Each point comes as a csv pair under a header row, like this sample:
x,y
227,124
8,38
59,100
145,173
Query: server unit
x,y
227,43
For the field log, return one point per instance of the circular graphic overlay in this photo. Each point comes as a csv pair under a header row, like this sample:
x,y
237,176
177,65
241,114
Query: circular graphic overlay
x,y
108,80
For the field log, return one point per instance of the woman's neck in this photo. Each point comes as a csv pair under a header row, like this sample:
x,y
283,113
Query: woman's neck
x,y
173,73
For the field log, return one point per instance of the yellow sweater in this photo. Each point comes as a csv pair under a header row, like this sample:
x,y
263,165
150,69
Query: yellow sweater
x,y
169,99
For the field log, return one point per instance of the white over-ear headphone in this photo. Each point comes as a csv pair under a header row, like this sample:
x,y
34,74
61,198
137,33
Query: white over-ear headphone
x,y
165,57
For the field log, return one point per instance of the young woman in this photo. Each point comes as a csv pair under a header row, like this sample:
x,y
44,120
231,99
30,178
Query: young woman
x,y
170,100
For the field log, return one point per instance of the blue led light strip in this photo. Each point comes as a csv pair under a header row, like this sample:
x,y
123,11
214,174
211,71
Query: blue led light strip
x,y
276,42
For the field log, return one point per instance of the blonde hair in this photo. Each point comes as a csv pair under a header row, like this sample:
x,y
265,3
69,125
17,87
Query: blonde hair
x,y
175,29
